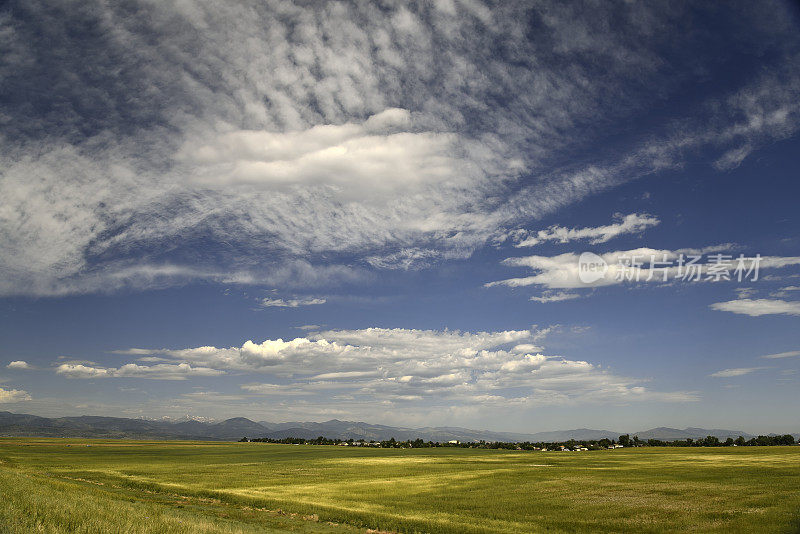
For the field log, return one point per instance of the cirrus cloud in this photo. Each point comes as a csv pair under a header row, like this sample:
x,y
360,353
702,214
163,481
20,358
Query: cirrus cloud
x,y
373,134
628,224
789,354
758,307
738,371
290,303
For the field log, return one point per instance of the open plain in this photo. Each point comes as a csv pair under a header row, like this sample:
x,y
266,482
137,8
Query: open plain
x,y
73,485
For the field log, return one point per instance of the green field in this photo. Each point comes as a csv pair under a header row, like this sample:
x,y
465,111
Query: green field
x,y
57,485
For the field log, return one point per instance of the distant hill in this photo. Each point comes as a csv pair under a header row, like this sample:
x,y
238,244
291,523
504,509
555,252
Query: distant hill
x,y
673,434
577,434
231,429
349,429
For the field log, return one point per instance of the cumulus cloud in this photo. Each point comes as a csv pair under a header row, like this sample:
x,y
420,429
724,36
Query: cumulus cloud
x,y
13,395
18,364
79,370
281,135
443,368
739,371
759,307
633,223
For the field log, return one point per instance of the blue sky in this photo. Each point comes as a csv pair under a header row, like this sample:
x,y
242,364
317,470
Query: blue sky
x,y
376,212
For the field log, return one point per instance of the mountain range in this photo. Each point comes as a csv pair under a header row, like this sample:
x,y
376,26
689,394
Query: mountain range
x,y
119,427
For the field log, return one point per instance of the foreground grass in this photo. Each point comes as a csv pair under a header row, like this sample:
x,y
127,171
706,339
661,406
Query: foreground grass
x,y
43,503
113,486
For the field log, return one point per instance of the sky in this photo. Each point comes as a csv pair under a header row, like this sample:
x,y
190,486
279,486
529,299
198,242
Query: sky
x,y
517,216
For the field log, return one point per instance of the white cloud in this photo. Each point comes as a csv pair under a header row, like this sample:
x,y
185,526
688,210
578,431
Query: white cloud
x,y
780,293
407,258
739,371
340,375
779,261
789,354
745,292
291,303
629,224
181,371
383,154
636,265
443,368
13,395
275,389
286,133
554,296
309,327
759,307
18,364
71,370
164,371
526,348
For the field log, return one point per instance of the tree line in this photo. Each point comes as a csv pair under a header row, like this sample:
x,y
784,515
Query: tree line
x,y
709,441
624,440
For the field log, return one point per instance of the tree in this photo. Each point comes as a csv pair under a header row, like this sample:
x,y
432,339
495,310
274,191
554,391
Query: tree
x,y
625,440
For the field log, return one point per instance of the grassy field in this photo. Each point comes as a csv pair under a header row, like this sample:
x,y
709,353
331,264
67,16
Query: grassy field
x,y
56,485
